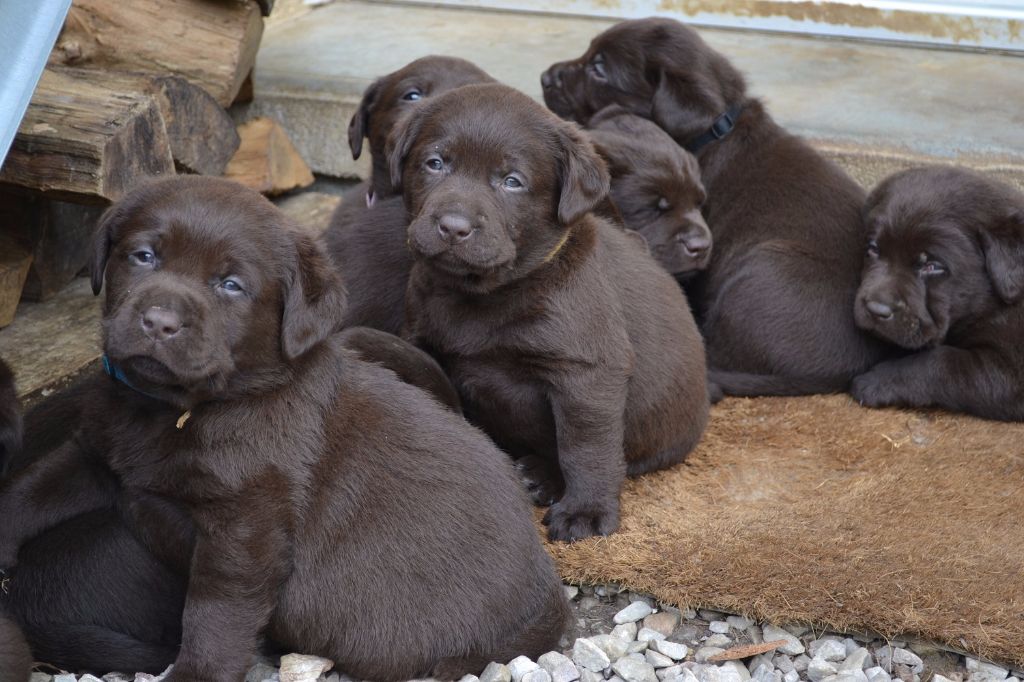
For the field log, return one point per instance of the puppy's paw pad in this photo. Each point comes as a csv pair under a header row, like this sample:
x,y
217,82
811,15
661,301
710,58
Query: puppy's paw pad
x,y
542,483
568,523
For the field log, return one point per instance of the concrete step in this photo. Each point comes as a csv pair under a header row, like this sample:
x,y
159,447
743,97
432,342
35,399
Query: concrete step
x,y
874,107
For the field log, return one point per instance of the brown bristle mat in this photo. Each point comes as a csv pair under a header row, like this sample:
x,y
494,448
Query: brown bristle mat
x,y
815,510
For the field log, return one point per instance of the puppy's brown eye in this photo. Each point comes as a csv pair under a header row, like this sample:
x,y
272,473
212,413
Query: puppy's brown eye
x,y
663,204
873,249
413,95
434,164
142,257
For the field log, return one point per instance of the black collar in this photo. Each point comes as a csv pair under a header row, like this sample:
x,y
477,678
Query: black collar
x,y
722,126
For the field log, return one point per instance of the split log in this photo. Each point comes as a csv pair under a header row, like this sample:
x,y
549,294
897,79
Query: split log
x,y
211,44
201,134
267,161
311,211
81,140
14,265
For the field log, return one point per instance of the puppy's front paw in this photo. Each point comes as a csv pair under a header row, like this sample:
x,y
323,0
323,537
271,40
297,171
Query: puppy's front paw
x,y
569,520
541,478
874,389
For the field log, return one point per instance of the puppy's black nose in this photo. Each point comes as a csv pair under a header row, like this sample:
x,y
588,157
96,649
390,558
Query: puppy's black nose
x,y
546,81
454,228
160,324
880,310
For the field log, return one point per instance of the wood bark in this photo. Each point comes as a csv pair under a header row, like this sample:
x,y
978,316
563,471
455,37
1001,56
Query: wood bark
x,y
14,265
267,161
80,140
211,43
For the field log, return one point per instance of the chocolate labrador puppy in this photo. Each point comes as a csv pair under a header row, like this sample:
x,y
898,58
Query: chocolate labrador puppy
x,y
775,301
390,98
944,278
319,486
10,417
565,339
656,187
15,658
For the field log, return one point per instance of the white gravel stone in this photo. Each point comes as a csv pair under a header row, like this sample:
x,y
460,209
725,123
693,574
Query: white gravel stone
x,y
908,657
115,677
818,669
658,660
738,669
688,614
496,672
519,666
83,678
940,678
586,654
302,668
719,640
637,647
261,672
613,647
759,660
139,677
685,675
705,652
570,591
793,646
631,670
469,678
559,667
647,634
43,677
664,622
856,660
739,622
763,673
755,634
829,649
626,632
590,676
791,676
801,662
784,663
673,650
980,670
877,674
68,677
851,645
638,610
719,626
538,675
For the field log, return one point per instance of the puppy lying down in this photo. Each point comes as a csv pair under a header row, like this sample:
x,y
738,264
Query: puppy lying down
x,y
566,341
319,486
944,278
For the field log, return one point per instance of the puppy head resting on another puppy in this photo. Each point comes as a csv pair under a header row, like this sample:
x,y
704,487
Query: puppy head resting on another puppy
x,y
494,184
390,98
944,245
657,68
210,291
656,187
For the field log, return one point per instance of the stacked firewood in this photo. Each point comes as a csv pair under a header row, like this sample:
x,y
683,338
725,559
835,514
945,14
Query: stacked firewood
x,y
132,90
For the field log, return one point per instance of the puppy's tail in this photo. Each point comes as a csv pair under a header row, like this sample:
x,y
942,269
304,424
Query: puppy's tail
x,y
753,385
15,657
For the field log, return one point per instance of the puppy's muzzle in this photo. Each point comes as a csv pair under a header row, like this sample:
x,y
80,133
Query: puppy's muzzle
x,y
161,324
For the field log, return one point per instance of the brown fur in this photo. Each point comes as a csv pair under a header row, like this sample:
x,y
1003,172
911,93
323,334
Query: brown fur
x,y
390,98
564,338
656,188
319,485
15,659
944,278
775,301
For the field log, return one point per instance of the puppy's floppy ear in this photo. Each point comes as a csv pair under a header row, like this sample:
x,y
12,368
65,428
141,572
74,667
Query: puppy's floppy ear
x,y
685,103
103,239
1003,246
400,143
360,123
314,300
583,175
608,147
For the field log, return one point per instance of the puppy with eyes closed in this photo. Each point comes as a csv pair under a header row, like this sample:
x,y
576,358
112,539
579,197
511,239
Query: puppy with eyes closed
x,y
774,302
367,240
567,342
944,278
655,185
318,486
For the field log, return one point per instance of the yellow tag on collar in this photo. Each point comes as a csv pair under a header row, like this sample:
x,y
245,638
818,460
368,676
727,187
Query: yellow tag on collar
x,y
180,424
558,247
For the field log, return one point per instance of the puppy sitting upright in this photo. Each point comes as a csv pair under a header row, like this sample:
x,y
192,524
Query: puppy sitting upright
x,y
656,187
944,278
564,338
319,486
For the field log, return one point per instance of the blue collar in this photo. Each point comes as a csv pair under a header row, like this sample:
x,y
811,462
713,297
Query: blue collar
x,y
117,373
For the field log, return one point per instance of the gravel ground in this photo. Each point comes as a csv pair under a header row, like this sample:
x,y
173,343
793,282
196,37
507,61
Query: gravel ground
x,y
619,636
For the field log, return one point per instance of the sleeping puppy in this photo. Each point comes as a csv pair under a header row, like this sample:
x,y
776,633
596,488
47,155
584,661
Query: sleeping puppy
x,y
565,339
656,187
15,659
390,98
775,301
318,486
944,278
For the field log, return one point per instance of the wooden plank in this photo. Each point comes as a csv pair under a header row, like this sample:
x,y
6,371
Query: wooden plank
x,y
14,265
211,44
81,140
266,160
200,132
311,211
